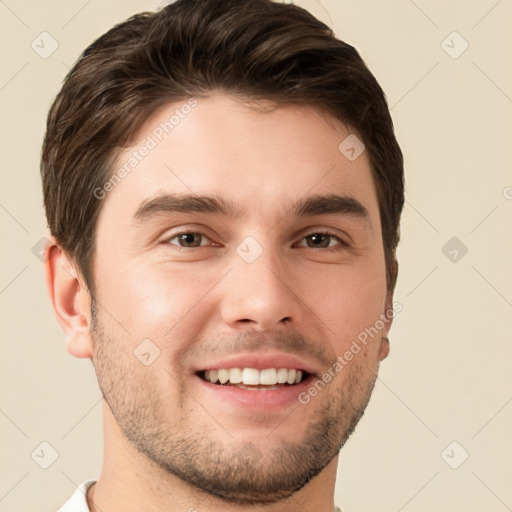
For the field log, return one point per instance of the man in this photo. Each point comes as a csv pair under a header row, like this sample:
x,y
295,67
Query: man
x,y
224,188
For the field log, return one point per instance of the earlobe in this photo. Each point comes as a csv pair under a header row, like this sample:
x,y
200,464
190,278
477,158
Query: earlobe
x,y
389,313
70,300
384,348
384,343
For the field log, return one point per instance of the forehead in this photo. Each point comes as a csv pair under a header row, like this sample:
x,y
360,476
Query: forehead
x,y
265,160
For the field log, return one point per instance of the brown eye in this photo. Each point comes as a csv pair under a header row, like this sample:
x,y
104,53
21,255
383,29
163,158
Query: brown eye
x,y
321,240
187,239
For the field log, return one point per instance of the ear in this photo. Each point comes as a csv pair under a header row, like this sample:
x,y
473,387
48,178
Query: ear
x,y
70,300
388,311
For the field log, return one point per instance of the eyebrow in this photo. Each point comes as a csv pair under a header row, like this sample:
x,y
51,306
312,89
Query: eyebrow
x,y
216,205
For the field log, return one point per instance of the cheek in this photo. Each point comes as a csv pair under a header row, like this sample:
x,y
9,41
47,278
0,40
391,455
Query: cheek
x,y
348,301
153,302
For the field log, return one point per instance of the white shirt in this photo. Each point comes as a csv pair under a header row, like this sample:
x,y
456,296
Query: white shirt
x,y
78,502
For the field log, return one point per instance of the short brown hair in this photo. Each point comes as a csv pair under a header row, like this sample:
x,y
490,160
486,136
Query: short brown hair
x,y
254,49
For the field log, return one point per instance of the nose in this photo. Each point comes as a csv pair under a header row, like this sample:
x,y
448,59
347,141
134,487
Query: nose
x,y
259,295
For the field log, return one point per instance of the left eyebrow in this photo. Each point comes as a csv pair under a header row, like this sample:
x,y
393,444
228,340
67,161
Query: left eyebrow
x,y
215,205
331,204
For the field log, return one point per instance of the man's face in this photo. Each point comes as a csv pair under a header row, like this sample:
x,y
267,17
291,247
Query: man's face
x,y
263,289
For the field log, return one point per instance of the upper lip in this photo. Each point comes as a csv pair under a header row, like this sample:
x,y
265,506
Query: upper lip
x,y
260,361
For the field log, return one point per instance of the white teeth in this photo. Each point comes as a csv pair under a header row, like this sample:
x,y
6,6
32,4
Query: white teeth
x,y
223,376
254,377
250,376
268,377
282,375
235,375
291,376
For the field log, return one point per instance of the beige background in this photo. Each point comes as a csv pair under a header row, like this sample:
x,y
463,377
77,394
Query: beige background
x,y
448,376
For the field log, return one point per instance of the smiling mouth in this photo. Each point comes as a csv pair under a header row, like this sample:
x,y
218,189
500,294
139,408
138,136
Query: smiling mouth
x,y
254,379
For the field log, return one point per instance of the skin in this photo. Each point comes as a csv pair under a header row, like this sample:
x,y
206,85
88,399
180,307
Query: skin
x,y
163,437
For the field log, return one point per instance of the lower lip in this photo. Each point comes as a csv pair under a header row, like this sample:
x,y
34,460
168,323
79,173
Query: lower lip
x,y
269,400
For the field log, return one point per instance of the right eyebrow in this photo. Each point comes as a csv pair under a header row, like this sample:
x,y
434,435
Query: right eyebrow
x,y
170,203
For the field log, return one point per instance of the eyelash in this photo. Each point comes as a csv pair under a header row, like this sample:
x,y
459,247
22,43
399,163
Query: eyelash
x,y
342,243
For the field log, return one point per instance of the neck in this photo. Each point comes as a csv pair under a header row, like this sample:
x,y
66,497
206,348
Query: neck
x,y
129,481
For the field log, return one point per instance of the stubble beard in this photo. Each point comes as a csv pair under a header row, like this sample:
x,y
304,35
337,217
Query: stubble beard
x,y
241,471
